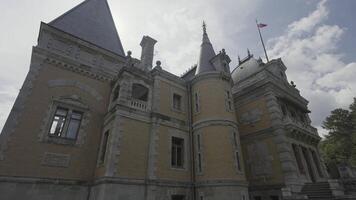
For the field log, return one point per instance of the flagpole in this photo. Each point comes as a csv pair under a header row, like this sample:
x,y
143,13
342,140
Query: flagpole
x,y
263,44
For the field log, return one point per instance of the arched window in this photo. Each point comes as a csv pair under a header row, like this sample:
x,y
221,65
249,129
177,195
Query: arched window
x,y
139,92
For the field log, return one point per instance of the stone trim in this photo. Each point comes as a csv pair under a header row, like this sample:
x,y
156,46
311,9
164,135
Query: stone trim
x,y
229,100
182,103
183,135
77,84
156,93
57,33
180,84
106,129
200,151
220,183
162,74
76,67
35,180
213,122
12,121
56,160
153,152
125,111
236,144
212,75
72,102
114,144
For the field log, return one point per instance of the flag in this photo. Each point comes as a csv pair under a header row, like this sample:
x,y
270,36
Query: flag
x,y
260,25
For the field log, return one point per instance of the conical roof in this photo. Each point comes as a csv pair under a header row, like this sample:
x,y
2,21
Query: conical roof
x,y
91,21
206,54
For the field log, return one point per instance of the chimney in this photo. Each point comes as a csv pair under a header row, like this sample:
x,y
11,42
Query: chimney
x,y
147,45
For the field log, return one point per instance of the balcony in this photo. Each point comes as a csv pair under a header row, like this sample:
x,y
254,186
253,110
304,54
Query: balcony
x,y
291,122
138,104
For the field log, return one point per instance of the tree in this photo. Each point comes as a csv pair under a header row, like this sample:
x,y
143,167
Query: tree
x,y
339,146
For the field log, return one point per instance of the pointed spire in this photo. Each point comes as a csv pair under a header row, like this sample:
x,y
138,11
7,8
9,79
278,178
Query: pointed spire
x,y
204,28
91,21
206,54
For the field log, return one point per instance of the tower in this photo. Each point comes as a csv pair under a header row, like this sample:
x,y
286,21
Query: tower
x,y
219,170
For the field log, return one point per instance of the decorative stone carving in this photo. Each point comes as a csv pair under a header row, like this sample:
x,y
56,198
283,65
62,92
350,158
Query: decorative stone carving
x,y
56,160
251,116
73,83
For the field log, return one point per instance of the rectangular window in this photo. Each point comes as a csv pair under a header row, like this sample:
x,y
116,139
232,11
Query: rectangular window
x,y
238,161
58,122
196,102
177,102
198,142
235,139
200,169
229,100
104,145
65,123
177,157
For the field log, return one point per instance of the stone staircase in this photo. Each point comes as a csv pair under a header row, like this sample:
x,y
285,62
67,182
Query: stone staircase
x,y
318,191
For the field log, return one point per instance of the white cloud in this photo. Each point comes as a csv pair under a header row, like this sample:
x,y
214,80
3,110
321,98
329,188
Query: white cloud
x,y
175,24
309,49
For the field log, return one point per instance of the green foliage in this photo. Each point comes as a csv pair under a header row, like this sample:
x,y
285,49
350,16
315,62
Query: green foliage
x,y
339,146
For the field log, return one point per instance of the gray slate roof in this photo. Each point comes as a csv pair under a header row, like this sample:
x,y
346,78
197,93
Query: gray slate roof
x,y
206,54
91,21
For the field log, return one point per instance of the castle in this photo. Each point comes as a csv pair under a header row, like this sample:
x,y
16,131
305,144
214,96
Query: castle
x,y
93,123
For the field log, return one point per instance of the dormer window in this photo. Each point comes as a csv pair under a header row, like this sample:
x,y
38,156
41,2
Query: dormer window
x,y
139,92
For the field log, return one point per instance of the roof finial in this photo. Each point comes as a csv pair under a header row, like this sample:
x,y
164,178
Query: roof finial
x,y
248,52
204,27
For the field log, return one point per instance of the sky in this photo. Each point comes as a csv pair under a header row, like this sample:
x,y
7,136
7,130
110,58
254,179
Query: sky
x,y
314,38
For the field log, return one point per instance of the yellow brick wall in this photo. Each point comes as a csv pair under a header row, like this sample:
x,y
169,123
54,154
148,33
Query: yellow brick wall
x,y
218,154
276,177
166,90
133,149
164,169
264,121
212,100
25,152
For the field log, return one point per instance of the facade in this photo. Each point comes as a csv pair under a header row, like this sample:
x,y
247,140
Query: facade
x,y
93,123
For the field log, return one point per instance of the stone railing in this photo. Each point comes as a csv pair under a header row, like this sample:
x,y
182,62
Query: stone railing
x,y
299,124
349,185
138,104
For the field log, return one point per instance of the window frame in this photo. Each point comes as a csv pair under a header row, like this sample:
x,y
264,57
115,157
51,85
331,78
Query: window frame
x,y
66,123
70,102
180,102
196,101
103,148
174,153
